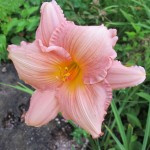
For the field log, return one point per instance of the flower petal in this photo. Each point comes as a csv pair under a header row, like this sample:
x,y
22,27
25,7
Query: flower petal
x,y
86,105
96,71
43,108
37,68
120,76
114,36
91,47
51,17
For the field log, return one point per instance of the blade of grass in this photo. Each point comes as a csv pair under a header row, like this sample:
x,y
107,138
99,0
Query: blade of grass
x,y
94,144
20,88
120,125
144,95
146,8
22,85
115,139
121,109
129,17
129,135
111,7
147,130
118,23
98,145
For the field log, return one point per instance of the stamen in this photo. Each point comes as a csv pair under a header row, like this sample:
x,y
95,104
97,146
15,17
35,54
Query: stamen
x,y
68,72
65,76
66,68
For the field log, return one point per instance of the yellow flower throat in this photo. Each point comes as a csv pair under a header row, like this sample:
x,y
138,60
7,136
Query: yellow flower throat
x,y
69,72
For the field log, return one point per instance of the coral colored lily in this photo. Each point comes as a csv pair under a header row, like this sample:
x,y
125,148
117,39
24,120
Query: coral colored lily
x,y
73,70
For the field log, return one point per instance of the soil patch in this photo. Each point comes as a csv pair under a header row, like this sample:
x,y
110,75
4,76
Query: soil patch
x,y
14,134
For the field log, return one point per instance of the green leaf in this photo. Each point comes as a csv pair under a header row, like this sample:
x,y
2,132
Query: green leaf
x,y
32,23
146,8
20,87
129,17
144,95
134,120
136,146
119,123
131,35
2,41
129,134
115,139
136,27
21,25
147,130
6,28
29,11
134,138
9,6
3,51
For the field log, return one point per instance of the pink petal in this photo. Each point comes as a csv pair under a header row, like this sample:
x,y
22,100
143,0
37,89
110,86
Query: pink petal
x,y
43,108
120,76
59,50
51,17
91,47
86,105
96,72
113,33
35,67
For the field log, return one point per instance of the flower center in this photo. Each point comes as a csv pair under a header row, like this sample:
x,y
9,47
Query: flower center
x,y
69,72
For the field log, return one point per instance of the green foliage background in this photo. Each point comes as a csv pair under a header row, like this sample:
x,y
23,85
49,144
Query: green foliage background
x,y
128,119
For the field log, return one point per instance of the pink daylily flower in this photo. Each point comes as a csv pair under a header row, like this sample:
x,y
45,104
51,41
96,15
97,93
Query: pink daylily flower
x,y
73,70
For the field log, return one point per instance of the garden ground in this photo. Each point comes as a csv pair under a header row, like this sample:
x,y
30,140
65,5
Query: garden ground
x,y
15,134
